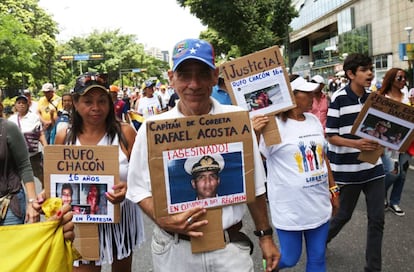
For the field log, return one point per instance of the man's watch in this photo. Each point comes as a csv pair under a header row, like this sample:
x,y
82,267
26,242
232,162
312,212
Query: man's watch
x,y
261,233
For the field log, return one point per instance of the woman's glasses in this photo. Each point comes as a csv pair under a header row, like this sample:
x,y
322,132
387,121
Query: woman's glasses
x,y
89,79
401,78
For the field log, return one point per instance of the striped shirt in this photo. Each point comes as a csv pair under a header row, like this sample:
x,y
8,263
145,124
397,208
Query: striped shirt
x,y
347,169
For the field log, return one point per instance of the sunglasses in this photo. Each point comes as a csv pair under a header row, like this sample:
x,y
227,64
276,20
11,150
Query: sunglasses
x,y
89,79
401,78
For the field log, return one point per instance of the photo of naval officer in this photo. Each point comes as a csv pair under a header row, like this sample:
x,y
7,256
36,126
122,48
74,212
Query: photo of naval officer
x,y
205,175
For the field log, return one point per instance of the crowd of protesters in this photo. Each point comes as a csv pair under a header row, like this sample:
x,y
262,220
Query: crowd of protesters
x,y
66,119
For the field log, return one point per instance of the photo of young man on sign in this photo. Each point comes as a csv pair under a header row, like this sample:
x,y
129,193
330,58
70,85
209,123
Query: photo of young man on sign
x,y
262,98
94,196
86,195
69,193
388,130
210,180
205,174
259,82
263,95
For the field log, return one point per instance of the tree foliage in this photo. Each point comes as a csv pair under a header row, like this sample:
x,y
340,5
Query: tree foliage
x,y
27,44
15,47
243,26
121,52
30,54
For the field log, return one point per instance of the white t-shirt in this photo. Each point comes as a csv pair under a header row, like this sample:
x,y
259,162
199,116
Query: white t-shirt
x,y
297,183
139,182
405,98
165,97
149,106
28,123
33,107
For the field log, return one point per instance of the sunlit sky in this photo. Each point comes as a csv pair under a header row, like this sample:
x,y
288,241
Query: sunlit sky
x,y
156,23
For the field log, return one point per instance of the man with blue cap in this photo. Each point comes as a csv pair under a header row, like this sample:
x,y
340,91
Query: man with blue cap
x,y
193,76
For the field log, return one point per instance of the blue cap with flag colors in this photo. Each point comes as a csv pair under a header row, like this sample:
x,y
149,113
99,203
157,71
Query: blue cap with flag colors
x,y
193,49
149,83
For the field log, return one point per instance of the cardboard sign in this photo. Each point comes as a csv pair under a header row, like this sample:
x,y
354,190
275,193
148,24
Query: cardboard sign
x,y
184,151
212,238
81,175
87,241
387,121
259,83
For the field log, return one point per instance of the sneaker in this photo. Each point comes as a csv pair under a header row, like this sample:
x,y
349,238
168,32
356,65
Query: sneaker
x,y
397,210
385,204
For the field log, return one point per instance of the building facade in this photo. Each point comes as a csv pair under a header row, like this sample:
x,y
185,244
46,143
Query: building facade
x,y
158,53
326,31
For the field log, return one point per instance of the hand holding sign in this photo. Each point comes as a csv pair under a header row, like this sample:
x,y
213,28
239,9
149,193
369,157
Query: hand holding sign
x,y
180,223
118,194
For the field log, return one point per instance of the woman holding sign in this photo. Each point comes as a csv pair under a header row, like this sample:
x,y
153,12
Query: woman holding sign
x,y
395,172
302,193
94,123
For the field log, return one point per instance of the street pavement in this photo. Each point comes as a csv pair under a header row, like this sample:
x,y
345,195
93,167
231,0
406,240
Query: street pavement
x,y
346,252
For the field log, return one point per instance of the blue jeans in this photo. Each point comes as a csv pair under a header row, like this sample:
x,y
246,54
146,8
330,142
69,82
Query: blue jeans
x,y
387,161
48,134
374,198
291,247
11,218
397,181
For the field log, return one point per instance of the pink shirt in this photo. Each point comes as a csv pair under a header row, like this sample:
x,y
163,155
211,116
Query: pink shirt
x,y
320,108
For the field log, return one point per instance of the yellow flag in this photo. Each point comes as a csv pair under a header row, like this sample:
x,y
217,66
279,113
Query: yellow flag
x,y
135,116
35,247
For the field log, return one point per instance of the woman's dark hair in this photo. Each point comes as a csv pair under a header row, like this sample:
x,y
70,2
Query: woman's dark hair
x,y
66,94
67,186
388,80
355,60
113,126
284,114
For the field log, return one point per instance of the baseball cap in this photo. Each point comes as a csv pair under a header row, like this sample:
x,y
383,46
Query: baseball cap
x,y
193,49
48,87
386,124
300,84
22,97
149,83
90,80
26,91
318,79
113,89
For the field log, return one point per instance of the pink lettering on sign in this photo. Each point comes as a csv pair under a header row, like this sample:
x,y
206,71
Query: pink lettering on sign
x,y
197,151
